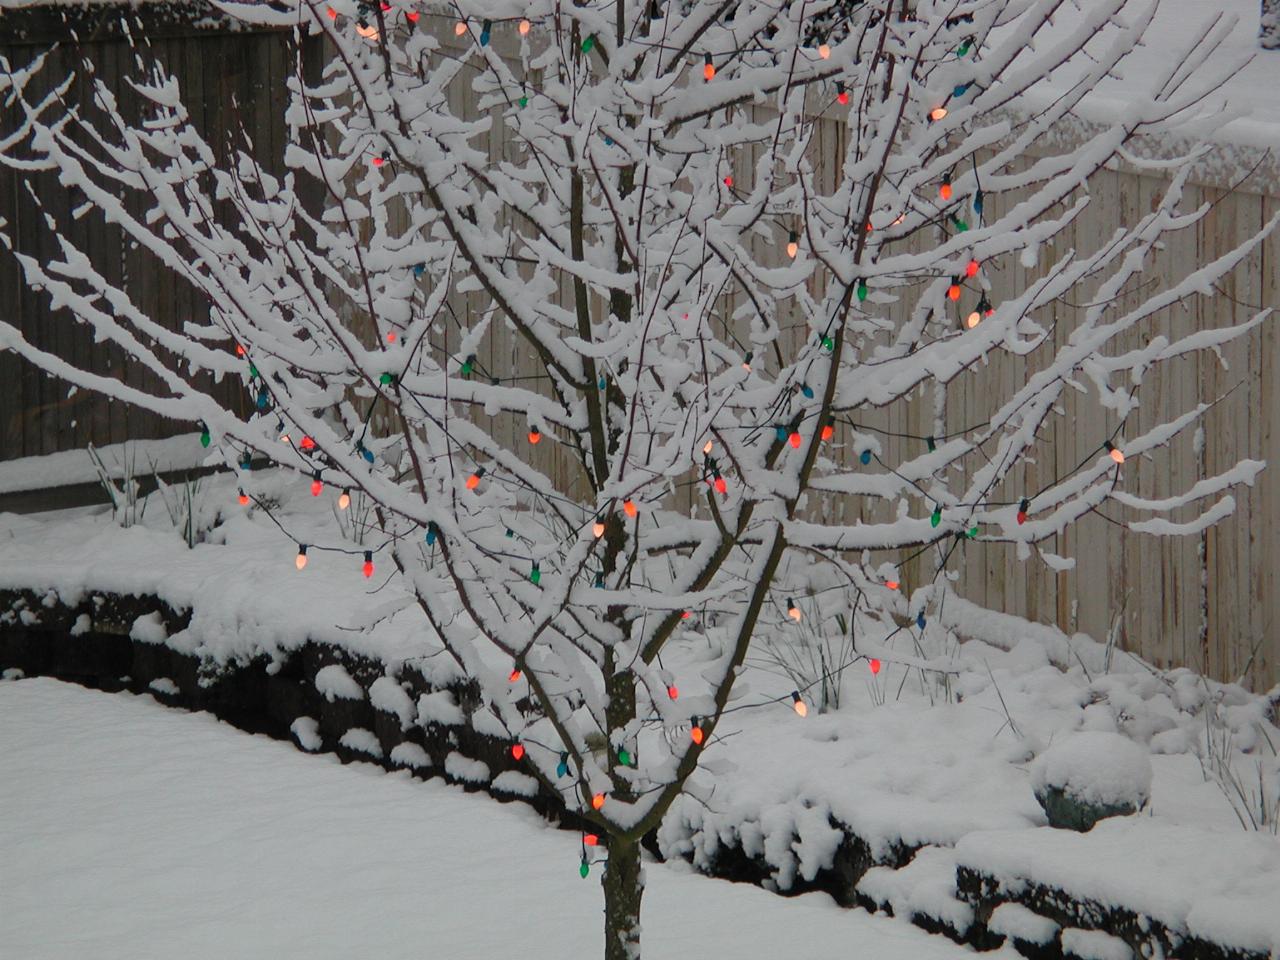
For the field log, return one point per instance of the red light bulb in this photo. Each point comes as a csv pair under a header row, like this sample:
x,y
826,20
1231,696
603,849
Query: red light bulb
x,y
721,485
795,439
317,487
828,432
367,569
591,840
244,499
535,435
874,665
972,269
514,676
673,692
517,751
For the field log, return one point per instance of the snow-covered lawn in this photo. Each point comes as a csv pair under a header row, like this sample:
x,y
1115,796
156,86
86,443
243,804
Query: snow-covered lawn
x,y
135,832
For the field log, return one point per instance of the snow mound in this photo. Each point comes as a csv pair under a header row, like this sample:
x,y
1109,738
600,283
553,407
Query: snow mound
x,y
362,741
439,707
925,886
410,755
1094,945
335,683
12,673
165,686
388,696
464,768
307,731
1015,920
149,628
514,782
82,625
1102,769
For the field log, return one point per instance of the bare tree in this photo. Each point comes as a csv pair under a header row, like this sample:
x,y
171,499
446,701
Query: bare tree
x,y
704,293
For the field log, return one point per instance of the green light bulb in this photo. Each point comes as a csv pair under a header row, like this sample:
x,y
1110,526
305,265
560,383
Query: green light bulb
x,y
204,437
587,44
535,575
937,517
624,758
828,343
862,290
386,379
973,531
584,869
524,101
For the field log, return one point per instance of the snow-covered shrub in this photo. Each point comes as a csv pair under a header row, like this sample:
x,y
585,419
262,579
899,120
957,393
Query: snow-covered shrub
x,y
1088,776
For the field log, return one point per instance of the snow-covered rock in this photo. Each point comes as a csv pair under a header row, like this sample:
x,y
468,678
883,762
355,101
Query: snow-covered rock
x,y
1091,775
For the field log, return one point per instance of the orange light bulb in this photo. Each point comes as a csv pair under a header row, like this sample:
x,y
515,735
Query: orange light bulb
x,y
953,292
597,528
535,435
972,269
524,28
937,113
629,508
460,28
798,704
891,584
696,735
300,560
708,447
597,801
824,51
793,611
1114,452
344,500
973,319
709,69
945,191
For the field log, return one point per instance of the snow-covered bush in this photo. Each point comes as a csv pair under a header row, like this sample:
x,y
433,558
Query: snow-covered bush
x,y
609,311
1089,776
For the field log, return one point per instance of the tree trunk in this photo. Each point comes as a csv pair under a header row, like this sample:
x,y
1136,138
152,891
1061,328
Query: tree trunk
x,y
1269,33
623,888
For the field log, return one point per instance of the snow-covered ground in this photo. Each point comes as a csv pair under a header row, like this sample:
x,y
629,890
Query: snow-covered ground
x,y
133,832
936,756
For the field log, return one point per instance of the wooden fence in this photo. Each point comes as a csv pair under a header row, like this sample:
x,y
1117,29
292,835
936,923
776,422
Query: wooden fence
x,y
1208,602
